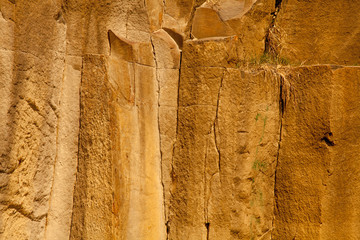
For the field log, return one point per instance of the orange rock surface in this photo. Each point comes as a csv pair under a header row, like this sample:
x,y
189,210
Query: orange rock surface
x,y
179,119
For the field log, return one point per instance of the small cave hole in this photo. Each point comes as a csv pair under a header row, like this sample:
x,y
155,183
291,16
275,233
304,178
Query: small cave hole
x,y
327,139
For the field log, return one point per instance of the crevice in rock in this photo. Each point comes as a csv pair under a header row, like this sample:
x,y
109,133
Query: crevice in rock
x,y
272,35
214,129
78,153
205,180
278,3
207,183
216,144
109,39
158,125
177,131
328,139
282,105
207,225
176,135
167,224
282,100
215,121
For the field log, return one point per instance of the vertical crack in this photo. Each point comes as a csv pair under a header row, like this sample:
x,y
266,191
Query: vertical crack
x,y
158,120
167,221
78,151
177,112
164,12
216,120
176,136
282,105
214,127
207,225
272,35
206,202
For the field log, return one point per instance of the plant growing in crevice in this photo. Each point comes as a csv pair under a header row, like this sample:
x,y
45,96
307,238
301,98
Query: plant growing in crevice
x,y
273,59
273,44
270,58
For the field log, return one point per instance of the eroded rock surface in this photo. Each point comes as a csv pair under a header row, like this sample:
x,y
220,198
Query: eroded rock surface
x,y
317,151
318,32
179,119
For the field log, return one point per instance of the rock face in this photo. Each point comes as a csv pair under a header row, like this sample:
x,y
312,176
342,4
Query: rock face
x,y
314,184
179,119
317,32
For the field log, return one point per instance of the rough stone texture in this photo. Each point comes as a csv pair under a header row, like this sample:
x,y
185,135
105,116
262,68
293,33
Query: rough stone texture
x,y
32,119
314,192
248,20
171,119
92,216
207,23
328,34
119,179
168,57
341,199
246,137
229,155
61,201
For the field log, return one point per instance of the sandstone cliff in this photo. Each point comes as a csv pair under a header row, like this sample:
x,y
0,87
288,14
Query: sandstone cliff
x,y
179,119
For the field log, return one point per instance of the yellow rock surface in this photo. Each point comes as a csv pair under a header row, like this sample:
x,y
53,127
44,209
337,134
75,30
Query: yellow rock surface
x,y
320,31
314,178
179,119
